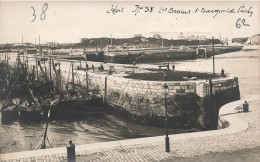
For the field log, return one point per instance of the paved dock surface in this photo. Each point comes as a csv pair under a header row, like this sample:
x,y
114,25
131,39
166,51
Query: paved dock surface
x,y
240,139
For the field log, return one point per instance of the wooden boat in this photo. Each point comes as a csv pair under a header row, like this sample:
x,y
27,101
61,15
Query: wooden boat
x,y
30,107
9,111
30,110
79,108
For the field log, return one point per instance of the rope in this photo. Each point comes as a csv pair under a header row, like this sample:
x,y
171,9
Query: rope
x,y
122,93
36,142
49,142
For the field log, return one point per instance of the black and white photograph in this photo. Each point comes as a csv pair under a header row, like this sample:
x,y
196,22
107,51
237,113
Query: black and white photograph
x,y
129,81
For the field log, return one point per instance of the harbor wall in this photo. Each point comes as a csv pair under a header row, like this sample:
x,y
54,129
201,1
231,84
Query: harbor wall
x,y
138,92
146,98
196,102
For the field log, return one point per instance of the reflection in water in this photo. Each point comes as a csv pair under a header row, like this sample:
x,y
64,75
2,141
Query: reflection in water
x,y
20,135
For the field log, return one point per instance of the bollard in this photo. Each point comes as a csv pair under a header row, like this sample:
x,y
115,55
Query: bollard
x,y
167,144
245,107
173,67
71,152
222,72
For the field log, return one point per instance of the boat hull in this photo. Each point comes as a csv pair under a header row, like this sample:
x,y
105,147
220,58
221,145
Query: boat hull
x,y
79,108
10,112
10,115
31,115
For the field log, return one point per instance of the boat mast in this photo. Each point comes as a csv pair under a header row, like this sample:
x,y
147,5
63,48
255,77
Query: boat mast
x,y
72,73
43,146
50,74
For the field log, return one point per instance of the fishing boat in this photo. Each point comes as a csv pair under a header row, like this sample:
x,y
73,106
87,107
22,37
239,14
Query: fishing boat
x,y
9,111
79,108
76,100
29,110
30,107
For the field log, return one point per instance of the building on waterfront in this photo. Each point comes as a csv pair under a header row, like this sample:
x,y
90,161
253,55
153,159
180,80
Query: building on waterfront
x,y
181,36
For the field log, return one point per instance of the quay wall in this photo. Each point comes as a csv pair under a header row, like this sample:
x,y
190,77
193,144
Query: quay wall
x,y
141,93
146,98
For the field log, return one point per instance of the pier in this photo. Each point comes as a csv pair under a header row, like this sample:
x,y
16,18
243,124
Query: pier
x,y
129,81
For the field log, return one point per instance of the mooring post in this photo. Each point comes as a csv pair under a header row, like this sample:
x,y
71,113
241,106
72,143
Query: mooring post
x,y
222,72
173,66
71,155
245,107
105,91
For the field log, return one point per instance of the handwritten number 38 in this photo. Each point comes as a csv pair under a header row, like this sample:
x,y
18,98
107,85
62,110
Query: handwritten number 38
x,y
43,14
44,8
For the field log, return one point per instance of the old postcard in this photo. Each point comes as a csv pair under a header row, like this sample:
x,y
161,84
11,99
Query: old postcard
x,y
129,81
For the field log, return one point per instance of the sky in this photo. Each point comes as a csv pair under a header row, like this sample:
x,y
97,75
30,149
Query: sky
x,y
67,22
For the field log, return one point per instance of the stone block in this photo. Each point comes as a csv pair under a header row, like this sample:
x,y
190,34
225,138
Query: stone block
x,y
177,87
190,83
184,87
